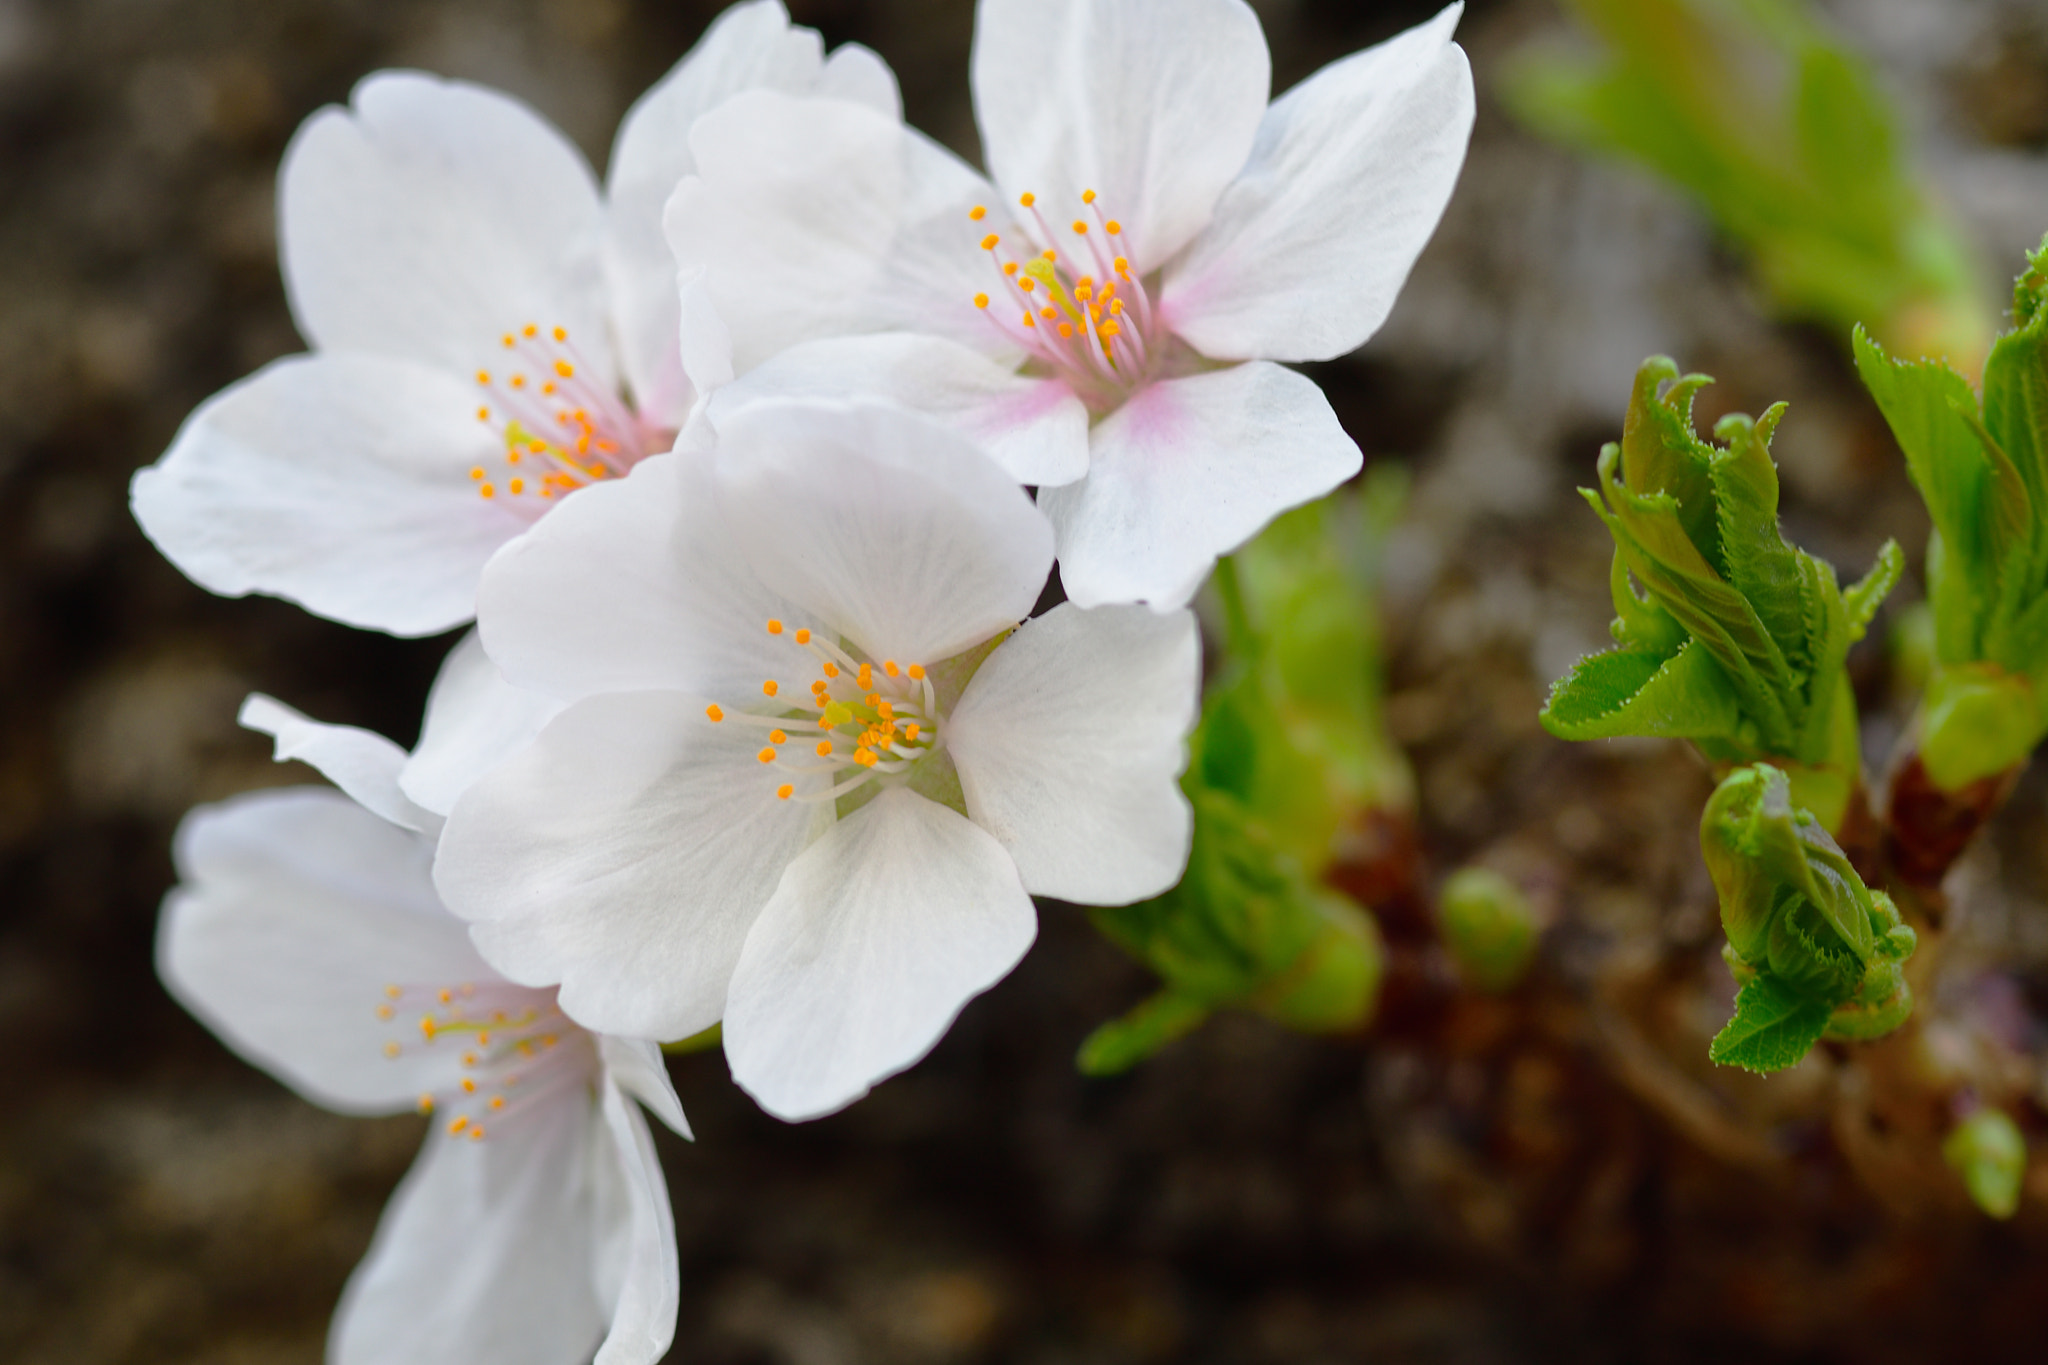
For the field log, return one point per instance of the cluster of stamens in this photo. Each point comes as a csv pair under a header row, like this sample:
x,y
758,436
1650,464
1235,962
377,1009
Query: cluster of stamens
x,y
860,721
514,1044
1090,327
560,431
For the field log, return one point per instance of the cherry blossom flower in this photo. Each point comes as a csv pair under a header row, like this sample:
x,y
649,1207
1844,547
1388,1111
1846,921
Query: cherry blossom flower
x,y
489,332
305,931
1106,316
813,769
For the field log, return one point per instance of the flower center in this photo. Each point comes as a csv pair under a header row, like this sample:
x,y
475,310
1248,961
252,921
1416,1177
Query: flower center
x,y
1085,315
560,430
860,722
514,1044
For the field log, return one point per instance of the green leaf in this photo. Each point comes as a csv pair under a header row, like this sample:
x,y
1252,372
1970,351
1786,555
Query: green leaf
x,y
1122,1043
1976,721
1631,692
1863,597
1759,563
1773,1028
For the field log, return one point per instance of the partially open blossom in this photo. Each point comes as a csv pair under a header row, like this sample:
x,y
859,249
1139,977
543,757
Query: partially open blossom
x,y
1105,316
490,332
305,931
817,769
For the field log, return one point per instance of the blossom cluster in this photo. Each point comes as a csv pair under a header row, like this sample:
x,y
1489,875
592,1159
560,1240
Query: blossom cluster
x,y
752,466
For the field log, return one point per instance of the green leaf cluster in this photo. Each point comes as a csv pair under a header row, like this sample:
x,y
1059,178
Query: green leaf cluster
x,y
1736,640
1290,753
1982,469
1816,952
1757,112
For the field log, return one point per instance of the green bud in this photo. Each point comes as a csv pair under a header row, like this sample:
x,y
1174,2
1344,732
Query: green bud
x,y
1989,1152
1489,928
1815,951
1334,986
1977,720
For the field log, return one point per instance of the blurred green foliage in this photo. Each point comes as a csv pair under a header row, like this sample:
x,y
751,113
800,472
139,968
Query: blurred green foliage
x,y
1782,136
1989,1152
1982,469
1291,752
1488,927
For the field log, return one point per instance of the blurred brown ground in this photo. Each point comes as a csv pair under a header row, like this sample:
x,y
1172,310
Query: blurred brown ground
x,y
1249,1196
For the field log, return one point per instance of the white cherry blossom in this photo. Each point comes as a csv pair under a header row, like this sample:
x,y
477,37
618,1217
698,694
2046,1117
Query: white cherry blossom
x,y
1106,315
490,331
813,769
535,1224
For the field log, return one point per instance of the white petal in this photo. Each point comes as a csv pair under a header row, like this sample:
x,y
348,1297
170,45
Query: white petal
x,y
875,939
433,216
475,720
340,482
636,585
1070,741
892,530
1151,103
624,854
361,762
1190,469
638,1271
294,910
1035,429
1352,170
817,217
486,1252
635,1066
749,45
859,74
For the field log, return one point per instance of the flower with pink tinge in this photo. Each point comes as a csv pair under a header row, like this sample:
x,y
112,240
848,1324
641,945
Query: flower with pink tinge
x,y
1106,316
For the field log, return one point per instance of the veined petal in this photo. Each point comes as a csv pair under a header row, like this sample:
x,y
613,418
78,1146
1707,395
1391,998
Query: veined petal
x,y
638,1273
475,719
878,935
340,482
624,854
1070,741
633,585
431,217
747,47
486,1251
295,910
1035,429
818,217
1351,172
1189,469
890,529
361,762
1151,103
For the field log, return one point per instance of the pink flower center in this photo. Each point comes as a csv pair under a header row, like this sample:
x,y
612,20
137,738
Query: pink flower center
x,y
560,430
1084,314
513,1045
859,722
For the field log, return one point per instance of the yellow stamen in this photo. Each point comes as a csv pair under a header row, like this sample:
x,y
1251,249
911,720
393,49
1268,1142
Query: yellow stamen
x,y
1087,196
468,1086
528,330
483,376
1112,227
1080,227
1027,199
461,1122
517,486
831,669
561,334
488,491
981,300
477,473
990,242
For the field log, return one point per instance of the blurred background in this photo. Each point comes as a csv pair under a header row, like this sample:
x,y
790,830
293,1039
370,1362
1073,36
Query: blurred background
x,y
1503,1193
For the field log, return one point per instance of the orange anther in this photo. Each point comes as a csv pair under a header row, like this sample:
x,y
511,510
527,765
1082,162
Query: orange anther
x,y
497,1101
777,737
426,1104
477,473
1027,199
517,486
385,1011
768,688
460,1123
981,300
483,376
989,242
518,381
867,677
468,1086
766,755
1113,227
803,637
977,213
1110,329
1080,227
785,791
391,1049
1050,254
488,491
916,671
1009,267
528,330
509,342
561,334
1066,330
1048,312
824,748
712,711
889,667
483,414
1027,284
1087,196
774,626
831,669
565,369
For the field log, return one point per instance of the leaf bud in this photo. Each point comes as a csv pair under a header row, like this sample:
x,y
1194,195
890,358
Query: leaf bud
x,y
1989,1152
1488,926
